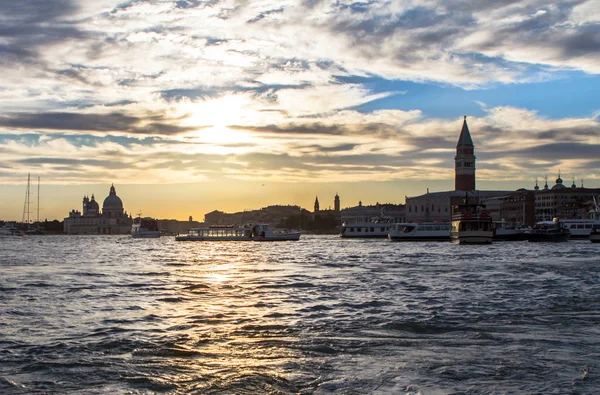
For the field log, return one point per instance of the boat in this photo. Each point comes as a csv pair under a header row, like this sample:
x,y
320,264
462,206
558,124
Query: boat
x,y
502,232
265,232
551,231
420,231
471,224
581,228
595,234
10,230
145,228
376,227
217,233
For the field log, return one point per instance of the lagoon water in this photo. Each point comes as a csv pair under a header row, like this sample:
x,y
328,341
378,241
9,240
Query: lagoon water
x,y
96,315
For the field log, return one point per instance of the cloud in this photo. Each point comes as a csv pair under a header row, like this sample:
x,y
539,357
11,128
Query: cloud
x,y
112,122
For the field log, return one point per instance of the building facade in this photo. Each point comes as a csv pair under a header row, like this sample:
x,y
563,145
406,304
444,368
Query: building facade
x,y
564,202
113,219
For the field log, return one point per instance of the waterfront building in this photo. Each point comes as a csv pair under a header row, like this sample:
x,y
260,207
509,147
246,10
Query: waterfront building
x,y
113,219
564,202
336,203
267,215
365,214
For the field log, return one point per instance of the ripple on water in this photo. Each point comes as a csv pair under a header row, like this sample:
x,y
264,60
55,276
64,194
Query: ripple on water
x,y
322,315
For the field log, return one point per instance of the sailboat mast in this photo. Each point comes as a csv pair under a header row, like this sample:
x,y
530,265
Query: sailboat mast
x,y
26,205
38,202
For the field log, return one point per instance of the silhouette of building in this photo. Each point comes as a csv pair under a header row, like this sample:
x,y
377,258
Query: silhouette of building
x,y
336,203
438,206
112,220
464,161
317,204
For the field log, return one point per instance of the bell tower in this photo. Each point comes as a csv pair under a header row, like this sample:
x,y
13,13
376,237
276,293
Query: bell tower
x,y
316,204
464,161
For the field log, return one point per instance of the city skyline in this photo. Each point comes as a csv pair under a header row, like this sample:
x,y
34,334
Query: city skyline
x,y
193,106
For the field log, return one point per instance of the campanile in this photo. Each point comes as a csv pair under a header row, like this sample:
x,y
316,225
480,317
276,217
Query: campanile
x,y
464,161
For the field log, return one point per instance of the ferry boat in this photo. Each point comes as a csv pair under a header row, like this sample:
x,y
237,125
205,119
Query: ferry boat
x,y
145,228
423,231
582,228
471,224
260,232
377,227
217,233
595,234
502,232
552,231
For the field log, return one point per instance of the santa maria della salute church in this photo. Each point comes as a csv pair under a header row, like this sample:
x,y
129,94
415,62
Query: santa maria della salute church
x,y
91,221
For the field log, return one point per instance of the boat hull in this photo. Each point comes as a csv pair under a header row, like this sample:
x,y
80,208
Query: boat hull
x,y
146,235
552,238
595,238
510,237
216,238
281,237
475,238
420,238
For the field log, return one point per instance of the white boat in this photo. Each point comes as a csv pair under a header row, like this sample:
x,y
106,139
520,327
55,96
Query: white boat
x,y
423,231
552,231
472,227
503,232
145,228
260,232
265,232
218,233
377,227
582,228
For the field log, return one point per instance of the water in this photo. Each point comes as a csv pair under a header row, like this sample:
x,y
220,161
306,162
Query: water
x,y
94,314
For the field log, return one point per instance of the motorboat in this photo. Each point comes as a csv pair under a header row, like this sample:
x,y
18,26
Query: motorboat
x,y
551,231
8,230
420,231
265,232
376,227
145,228
502,232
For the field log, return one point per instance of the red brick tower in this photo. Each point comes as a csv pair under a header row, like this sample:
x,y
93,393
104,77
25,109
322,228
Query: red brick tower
x,y
464,161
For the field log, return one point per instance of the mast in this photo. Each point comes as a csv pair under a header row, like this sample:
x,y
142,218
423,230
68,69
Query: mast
x,y
38,203
26,204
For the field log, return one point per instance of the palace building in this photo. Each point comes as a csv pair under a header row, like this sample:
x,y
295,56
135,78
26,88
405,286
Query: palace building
x,y
91,221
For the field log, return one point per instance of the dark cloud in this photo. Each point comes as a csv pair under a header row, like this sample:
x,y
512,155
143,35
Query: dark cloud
x,y
113,122
320,148
75,163
264,14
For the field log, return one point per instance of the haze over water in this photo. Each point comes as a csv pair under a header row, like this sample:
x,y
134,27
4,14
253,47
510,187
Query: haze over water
x,y
94,314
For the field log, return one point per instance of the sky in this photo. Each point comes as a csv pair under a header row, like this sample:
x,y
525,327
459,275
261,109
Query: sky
x,y
191,106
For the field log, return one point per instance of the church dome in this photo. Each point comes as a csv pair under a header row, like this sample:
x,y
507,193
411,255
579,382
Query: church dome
x,y
112,201
559,183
